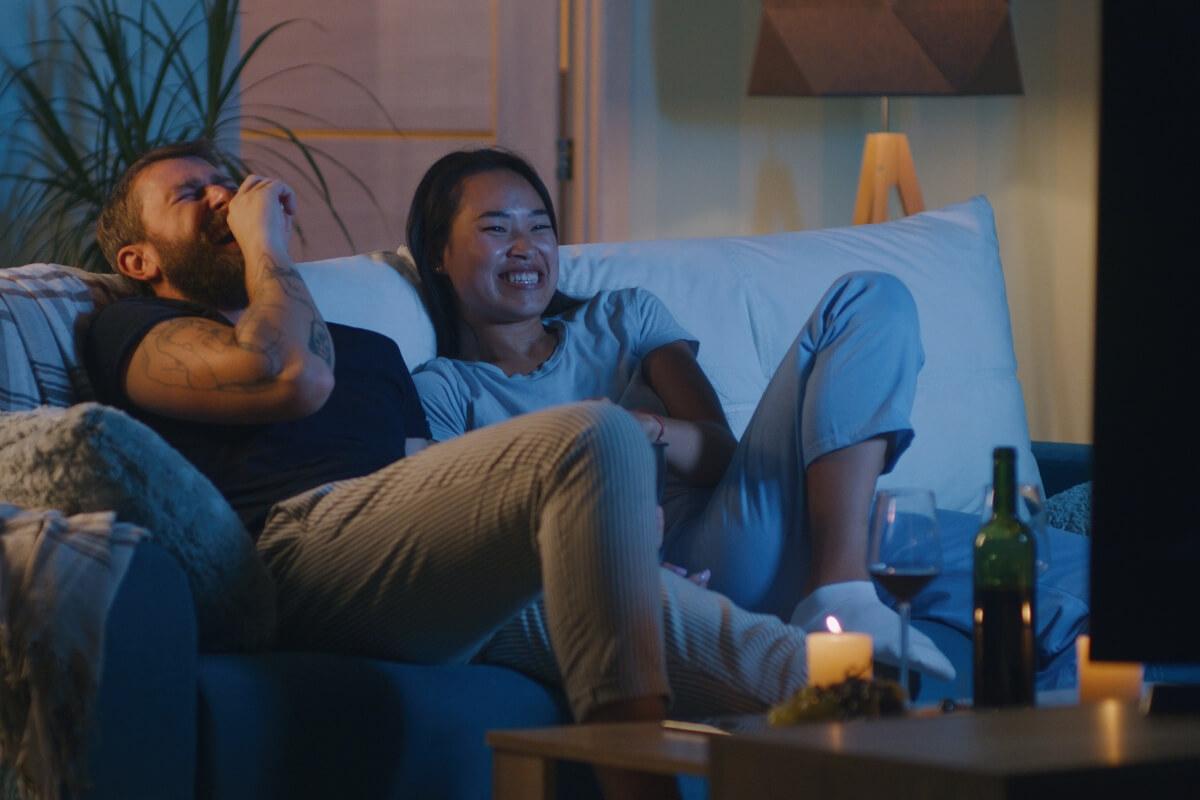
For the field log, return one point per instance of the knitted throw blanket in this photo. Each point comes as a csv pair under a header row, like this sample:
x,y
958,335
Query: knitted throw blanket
x,y
58,576
1071,510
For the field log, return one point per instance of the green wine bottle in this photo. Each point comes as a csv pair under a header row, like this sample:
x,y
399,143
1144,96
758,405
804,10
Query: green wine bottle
x,y
1004,596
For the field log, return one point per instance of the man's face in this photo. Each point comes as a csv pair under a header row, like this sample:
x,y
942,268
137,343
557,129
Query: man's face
x,y
184,203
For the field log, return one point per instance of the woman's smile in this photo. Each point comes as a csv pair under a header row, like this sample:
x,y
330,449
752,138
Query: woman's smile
x,y
522,279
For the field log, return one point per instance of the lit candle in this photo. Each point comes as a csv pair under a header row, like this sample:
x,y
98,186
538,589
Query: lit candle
x,y
1099,680
835,656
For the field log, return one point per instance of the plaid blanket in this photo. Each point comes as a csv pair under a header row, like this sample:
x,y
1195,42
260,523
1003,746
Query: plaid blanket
x,y
41,308
58,576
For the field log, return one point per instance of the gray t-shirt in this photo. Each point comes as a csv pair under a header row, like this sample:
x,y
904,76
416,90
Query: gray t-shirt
x,y
601,344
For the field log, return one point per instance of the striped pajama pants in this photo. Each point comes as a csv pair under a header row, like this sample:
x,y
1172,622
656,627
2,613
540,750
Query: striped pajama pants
x,y
530,544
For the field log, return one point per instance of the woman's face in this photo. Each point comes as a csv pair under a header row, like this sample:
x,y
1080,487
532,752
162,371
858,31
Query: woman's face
x,y
502,254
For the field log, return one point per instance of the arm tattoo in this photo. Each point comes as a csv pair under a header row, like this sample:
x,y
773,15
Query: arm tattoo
x,y
289,281
319,342
259,334
185,352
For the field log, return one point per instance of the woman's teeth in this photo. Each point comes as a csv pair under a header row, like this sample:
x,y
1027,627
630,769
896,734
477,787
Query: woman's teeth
x,y
529,278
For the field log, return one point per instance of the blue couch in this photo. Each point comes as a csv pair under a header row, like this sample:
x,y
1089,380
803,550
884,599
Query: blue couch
x,y
176,723
172,722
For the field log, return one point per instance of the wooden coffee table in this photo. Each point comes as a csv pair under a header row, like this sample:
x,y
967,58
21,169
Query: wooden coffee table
x,y
523,761
1102,750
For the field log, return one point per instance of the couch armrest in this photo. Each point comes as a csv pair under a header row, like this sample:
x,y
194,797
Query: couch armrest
x,y
1062,465
144,728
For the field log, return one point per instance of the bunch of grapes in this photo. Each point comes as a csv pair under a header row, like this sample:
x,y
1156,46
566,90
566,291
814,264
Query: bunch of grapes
x,y
851,699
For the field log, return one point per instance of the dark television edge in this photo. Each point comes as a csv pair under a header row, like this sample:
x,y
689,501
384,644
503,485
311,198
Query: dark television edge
x,y
1145,571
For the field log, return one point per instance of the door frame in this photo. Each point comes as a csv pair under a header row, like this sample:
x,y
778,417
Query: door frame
x,y
597,96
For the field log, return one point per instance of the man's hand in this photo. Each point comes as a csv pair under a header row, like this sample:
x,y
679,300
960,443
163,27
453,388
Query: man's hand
x,y
700,578
260,218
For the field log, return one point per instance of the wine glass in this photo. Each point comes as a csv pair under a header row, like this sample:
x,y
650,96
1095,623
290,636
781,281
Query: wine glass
x,y
904,552
1031,509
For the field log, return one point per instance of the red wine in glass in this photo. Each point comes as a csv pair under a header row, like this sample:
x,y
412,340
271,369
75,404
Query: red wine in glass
x,y
903,583
903,551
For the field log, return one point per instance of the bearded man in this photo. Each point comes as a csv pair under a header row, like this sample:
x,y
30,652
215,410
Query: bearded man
x,y
532,544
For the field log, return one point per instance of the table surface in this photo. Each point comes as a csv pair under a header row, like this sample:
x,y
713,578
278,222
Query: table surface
x,y
641,746
1013,742
1099,750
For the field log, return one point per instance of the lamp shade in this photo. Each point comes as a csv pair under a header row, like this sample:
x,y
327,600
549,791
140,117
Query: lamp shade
x,y
885,47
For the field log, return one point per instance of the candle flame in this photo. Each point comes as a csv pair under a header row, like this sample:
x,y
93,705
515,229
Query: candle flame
x,y
832,624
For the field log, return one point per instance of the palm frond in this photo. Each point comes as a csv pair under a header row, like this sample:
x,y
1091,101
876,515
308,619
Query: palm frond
x,y
104,86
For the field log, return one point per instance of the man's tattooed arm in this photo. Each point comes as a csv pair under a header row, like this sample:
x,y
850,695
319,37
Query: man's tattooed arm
x,y
275,363
286,279
192,353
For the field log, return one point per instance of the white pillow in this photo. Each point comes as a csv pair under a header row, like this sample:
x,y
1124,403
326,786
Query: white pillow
x,y
746,298
369,291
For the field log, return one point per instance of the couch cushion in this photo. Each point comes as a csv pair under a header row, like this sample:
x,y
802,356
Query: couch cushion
x,y
746,298
287,725
40,309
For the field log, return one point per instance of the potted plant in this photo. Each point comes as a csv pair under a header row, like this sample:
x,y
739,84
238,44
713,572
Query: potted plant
x,y
110,85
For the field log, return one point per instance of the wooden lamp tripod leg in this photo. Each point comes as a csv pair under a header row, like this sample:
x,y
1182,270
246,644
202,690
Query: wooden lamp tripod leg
x,y
887,162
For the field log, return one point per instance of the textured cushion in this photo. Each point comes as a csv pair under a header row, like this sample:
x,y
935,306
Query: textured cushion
x,y
91,457
1071,509
745,299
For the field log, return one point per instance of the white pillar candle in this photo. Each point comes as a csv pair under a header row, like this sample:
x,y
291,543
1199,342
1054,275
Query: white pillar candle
x,y
1099,680
834,657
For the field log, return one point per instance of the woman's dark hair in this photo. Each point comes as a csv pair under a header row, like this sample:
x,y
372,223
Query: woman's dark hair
x,y
430,216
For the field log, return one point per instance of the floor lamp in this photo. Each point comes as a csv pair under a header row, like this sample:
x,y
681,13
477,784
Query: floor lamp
x,y
883,48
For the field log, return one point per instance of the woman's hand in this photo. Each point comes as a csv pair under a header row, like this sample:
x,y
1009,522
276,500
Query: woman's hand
x,y
700,442
652,424
699,578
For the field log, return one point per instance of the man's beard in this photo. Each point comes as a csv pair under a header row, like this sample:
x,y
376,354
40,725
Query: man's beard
x,y
202,272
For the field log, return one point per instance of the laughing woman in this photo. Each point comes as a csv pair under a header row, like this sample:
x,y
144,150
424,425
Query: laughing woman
x,y
779,517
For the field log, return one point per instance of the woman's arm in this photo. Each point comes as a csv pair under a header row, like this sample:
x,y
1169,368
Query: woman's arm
x,y
700,443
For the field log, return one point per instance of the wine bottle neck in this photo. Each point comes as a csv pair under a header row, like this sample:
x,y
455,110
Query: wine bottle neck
x,y
1004,484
